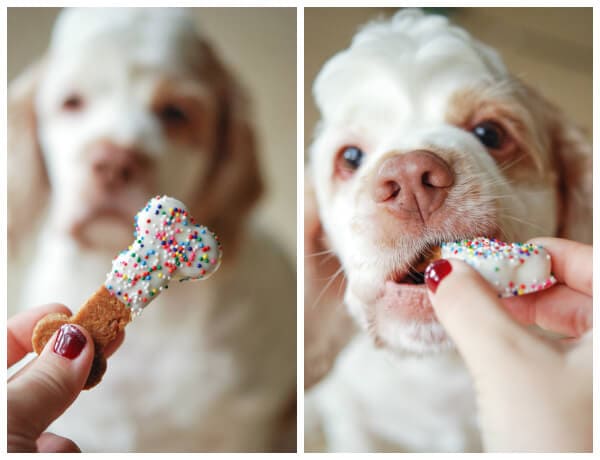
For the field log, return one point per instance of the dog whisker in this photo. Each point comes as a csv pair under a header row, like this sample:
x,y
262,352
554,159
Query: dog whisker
x,y
327,285
506,166
341,284
525,222
327,259
320,253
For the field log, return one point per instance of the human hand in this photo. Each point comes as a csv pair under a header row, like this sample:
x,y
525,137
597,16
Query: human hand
x,y
533,394
41,391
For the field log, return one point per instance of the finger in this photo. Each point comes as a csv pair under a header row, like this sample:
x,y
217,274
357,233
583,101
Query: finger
x,y
571,262
50,442
20,328
559,309
110,349
473,316
51,383
580,355
23,369
114,345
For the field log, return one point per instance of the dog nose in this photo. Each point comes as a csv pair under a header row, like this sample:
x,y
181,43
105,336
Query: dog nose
x,y
114,166
414,182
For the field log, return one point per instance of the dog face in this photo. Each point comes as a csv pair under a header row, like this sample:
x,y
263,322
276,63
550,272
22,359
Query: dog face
x,y
131,103
424,138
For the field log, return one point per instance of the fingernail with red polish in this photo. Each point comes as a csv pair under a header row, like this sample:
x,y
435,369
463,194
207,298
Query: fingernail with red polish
x,y
436,272
69,341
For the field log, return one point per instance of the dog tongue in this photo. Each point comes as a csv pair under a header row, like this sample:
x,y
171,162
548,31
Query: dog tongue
x,y
405,302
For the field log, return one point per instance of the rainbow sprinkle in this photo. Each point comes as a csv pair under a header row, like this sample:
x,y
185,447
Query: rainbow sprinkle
x,y
512,268
168,245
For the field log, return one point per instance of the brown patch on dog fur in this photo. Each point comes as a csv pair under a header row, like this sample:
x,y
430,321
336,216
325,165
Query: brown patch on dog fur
x,y
27,177
573,156
550,146
471,106
197,126
233,183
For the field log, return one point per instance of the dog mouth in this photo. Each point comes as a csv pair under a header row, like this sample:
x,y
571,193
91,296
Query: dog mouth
x,y
92,214
404,295
102,229
103,225
415,274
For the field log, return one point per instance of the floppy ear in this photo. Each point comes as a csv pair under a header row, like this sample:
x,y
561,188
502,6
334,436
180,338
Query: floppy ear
x,y
327,325
28,184
573,156
234,183
570,155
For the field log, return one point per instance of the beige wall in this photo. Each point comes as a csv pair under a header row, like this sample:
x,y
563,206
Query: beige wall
x,y
259,44
550,48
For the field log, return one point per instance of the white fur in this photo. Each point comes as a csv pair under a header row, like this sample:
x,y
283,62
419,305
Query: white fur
x,y
209,366
397,84
374,402
116,65
390,93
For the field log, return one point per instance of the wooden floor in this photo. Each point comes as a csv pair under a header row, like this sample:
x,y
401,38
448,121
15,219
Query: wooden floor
x,y
550,48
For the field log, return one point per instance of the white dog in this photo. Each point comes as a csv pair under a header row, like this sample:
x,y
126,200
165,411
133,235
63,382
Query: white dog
x,y
125,105
424,137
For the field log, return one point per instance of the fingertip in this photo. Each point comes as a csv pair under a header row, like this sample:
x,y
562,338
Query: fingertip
x,y
72,342
464,289
82,330
52,443
449,283
447,277
572,262
20,328
55,307
435,272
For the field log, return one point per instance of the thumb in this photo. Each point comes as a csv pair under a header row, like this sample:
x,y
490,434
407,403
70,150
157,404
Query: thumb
x,y
470,311
44,390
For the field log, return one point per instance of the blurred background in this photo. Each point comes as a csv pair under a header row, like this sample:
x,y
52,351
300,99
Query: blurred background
x,y
259,46
549,48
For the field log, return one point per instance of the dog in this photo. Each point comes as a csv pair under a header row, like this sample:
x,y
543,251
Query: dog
x,y
424,137
127,104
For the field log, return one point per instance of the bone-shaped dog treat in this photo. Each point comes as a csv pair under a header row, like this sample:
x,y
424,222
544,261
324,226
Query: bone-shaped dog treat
x,y
512,268
168,246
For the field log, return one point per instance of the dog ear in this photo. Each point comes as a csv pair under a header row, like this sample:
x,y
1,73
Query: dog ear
x,y
28,183
573,156
234,183
327,325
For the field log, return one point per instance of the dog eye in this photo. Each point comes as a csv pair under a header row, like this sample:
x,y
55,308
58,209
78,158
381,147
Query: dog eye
x,y
73,103
352,157
171,113
348,160
490,134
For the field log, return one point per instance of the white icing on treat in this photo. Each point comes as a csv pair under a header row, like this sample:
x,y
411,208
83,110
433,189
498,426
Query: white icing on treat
x,y
512,268
168,246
